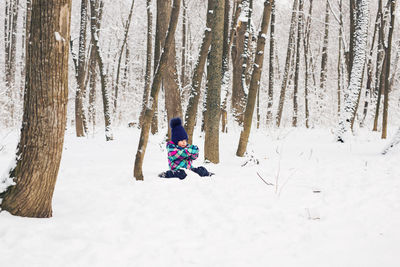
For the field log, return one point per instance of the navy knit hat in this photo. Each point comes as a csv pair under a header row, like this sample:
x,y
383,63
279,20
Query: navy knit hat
x,y
178,133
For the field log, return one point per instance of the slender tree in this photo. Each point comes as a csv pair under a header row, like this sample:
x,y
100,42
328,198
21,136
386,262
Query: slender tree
x,y
80,118
255,79
271,77
155,88
194,98
45,111
121,52
103,78
388,54
290,48
297,64
147,79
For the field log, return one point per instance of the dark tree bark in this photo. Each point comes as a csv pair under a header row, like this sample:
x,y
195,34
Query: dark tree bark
x,y
103,78
297,64
80,118
271,77
44,120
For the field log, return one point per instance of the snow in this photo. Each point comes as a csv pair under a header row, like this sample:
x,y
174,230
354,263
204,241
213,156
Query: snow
x,y
102,216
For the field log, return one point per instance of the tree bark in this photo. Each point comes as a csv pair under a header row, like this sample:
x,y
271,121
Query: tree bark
x,y
191,112
147,79
214,73
297,64
121,52
155,88
388,55
44,120
255,79
290,48
360,41
271,77
103,78
80,118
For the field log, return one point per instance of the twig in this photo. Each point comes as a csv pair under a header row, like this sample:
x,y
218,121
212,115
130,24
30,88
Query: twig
x,y
264,180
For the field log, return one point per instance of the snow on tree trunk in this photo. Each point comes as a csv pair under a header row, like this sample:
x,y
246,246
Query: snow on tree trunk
x,y
360,43
395,141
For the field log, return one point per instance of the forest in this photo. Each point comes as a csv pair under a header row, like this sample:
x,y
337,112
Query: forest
x,y
263,87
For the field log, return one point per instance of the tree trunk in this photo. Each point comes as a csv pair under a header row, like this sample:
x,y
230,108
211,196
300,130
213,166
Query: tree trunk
x,y
271,77
306,44
191,112
297,64
388,54
80,118
214,73
380,65
147,79
183,52
10,41
155,88
290,48
45,111
255,79
324,61
395,141
121,52
103,78
360,41
239,57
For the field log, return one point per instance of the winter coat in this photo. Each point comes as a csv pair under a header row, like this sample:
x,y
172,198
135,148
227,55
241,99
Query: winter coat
x,y
181,157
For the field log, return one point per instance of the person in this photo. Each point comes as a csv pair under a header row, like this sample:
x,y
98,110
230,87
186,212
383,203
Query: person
x,y
181,154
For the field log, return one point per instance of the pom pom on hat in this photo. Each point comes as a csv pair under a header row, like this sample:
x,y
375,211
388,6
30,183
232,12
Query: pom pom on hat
x,y
178,133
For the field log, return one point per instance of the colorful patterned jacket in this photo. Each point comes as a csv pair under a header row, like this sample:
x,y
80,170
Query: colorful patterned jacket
x,y
181,157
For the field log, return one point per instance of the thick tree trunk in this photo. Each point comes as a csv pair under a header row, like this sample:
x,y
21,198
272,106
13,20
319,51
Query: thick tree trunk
x,y
214,73
103,78
191,112
155,88
45,111
183,52
360,41
255,79
291,44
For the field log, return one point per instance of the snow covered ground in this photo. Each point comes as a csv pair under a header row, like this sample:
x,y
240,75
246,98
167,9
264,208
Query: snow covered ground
x,y
330,205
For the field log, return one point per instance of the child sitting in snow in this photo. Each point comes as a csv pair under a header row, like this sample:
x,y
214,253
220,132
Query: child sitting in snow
x,y
181,154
